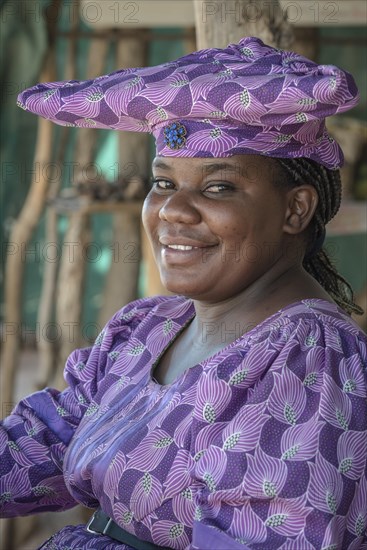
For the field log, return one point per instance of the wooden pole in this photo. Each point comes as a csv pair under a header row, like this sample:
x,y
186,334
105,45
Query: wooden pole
x,y
69,299
70,289
220,23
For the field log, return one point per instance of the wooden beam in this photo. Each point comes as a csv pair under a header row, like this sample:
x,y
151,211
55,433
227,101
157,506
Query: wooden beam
x,y
220,23
70,288
350,220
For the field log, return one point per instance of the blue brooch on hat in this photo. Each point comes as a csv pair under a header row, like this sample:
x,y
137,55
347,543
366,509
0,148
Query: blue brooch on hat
x,y
174,135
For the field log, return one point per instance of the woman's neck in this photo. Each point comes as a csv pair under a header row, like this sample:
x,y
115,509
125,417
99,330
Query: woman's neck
x,y
224,321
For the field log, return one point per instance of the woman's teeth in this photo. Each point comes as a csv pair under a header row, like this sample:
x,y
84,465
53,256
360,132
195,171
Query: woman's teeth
x,y
181,247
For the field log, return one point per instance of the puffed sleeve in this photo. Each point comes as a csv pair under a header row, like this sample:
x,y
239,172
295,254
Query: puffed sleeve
x,y
35,436
287,469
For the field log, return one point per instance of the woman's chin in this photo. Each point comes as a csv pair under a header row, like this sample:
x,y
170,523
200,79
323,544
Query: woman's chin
x,y
182,287
182,290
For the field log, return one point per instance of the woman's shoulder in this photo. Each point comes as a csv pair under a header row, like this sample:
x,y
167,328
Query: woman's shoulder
x,y
329,321
310,325
312,312
90,364
147,311
140,308
320,310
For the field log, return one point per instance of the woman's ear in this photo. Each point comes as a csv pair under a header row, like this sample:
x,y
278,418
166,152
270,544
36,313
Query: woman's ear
x,y
302,203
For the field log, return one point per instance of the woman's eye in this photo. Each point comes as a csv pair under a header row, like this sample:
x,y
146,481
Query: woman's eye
x,y
218,188
158,183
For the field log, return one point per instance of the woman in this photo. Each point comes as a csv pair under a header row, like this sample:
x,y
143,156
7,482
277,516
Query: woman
x,y
232,415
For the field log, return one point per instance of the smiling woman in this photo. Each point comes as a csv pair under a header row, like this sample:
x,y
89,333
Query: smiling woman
x,y
231,415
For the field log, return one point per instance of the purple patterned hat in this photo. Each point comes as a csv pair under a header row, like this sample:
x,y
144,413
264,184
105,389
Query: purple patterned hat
x,y
248,98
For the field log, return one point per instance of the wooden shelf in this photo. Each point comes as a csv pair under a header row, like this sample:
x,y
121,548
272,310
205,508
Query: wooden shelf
x,y
350,220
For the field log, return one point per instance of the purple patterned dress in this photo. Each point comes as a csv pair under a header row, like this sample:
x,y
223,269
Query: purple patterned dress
x,y
261,446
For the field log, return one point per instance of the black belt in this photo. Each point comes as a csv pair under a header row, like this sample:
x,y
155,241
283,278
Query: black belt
x,y
101,524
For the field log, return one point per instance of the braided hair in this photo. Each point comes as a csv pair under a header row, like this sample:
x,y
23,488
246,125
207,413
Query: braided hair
x,y
316,262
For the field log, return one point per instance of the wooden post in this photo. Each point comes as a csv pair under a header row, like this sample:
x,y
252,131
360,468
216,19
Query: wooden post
x,y
69,298
222,22
123,276
47,349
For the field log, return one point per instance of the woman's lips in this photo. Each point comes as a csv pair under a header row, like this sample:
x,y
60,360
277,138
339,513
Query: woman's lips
x,y
185,253
182,240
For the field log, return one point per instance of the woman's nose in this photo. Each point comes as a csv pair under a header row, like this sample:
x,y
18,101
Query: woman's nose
x,y
180,208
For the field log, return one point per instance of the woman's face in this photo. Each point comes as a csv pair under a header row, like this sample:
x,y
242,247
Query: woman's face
x,y
215,225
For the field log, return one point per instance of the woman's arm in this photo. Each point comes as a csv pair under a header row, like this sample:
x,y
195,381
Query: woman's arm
x,y
33,442
288,471
35,437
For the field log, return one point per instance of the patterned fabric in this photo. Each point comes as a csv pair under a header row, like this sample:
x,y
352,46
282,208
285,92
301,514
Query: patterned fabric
x,y
261,446
248,98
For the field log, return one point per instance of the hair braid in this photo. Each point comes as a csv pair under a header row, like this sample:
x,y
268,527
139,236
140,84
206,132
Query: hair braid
x,y
316,261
